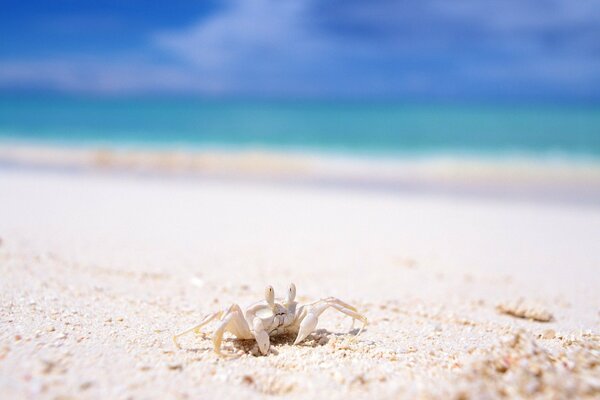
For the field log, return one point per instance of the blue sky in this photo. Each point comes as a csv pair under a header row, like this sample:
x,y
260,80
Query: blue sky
x,y
428,49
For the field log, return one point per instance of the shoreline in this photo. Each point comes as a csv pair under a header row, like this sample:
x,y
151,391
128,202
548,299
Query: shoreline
x,y
551,179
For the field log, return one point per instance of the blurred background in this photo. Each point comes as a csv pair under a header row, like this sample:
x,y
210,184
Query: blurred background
x,y
394,80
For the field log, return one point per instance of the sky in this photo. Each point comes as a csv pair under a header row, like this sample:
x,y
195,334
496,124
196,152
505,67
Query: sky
x,y
422,49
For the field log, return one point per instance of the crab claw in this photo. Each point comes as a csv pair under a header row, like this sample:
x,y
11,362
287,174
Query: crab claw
x,y
308,324
262,339
261,336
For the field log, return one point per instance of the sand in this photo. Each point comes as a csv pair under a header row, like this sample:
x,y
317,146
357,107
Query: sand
x,y
467,297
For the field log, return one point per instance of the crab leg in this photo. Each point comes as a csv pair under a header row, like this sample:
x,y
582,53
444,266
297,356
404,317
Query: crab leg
x,y
333,300
311,318
234,322
345,305
196,329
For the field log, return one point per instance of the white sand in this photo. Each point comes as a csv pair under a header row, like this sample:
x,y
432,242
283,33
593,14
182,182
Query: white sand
x,y
98,271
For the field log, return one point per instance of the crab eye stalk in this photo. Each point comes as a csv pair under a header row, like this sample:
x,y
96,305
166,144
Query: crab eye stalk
x,y
291,293
270,295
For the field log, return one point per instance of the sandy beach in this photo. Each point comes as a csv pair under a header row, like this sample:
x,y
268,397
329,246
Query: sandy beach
x,y
466,296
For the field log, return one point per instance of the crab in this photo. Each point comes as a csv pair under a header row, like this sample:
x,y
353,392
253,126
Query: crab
x,y
272,317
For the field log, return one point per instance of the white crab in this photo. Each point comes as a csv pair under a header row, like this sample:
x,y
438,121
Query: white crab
x,y
272,317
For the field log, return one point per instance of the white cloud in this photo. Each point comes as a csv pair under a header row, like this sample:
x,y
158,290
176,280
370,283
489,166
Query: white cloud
x,y
514,16
265,46
100,76
348,47
247,29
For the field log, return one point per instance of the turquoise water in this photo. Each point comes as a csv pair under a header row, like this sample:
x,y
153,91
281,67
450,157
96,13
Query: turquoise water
x,y
348,127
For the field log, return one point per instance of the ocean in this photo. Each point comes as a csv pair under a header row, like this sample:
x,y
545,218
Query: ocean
x,y
364,128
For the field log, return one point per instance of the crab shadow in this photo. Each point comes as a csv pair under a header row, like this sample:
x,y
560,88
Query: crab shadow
x,y
238,347
318,338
